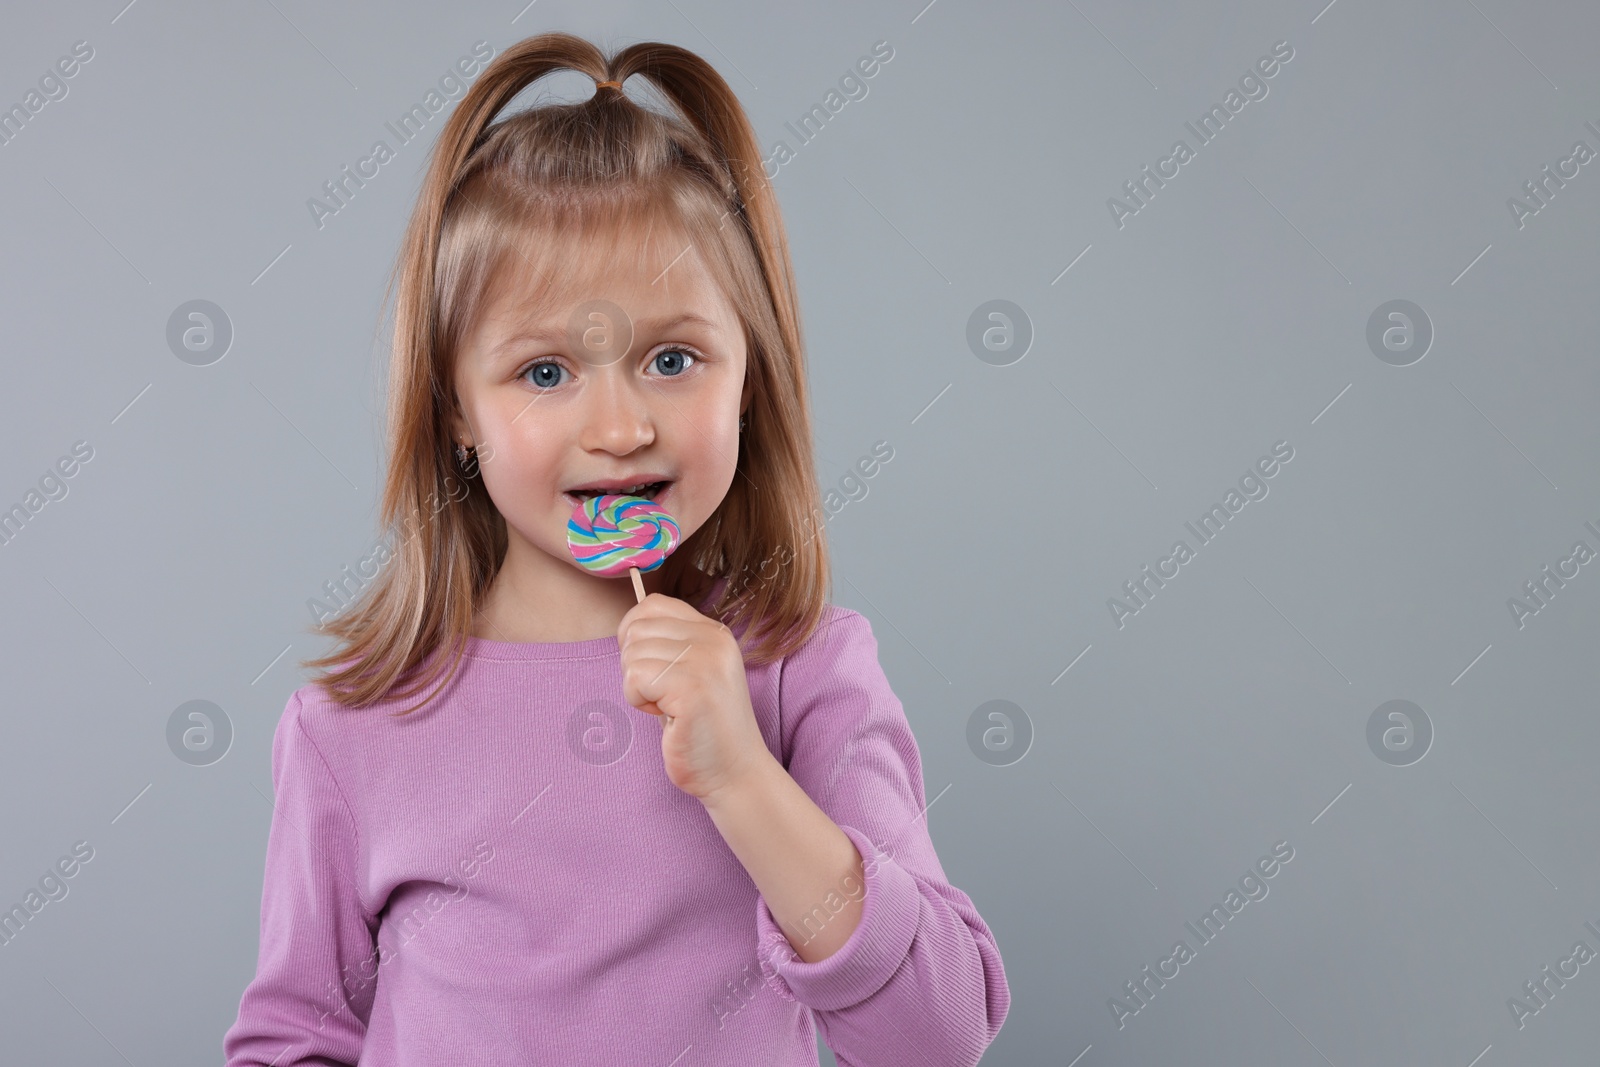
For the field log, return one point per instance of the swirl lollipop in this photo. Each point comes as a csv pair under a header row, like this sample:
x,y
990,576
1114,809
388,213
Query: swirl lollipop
x,y
616,534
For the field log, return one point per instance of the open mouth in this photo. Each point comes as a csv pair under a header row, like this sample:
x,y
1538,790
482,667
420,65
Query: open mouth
x,y
649,490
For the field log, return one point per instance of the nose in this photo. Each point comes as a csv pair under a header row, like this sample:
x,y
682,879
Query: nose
x,y
617,418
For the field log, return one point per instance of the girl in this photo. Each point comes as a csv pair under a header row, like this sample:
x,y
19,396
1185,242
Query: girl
x,y
522,868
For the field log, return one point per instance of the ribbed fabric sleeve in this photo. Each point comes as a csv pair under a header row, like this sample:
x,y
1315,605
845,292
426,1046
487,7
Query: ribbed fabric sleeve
x,y
313,990
920,979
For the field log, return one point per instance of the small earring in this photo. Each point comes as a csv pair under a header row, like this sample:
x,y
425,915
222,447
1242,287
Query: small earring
x,y
467,459
741,422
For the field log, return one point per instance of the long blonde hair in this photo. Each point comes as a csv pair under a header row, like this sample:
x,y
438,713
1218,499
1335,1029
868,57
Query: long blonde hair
x,y
496,191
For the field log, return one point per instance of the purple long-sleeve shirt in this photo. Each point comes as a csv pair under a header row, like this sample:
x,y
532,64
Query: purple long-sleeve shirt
x,y
509,877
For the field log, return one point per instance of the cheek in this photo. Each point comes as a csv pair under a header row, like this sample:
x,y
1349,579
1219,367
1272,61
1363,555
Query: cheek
x,y
704,425
714,442
722,465
704,441
522,460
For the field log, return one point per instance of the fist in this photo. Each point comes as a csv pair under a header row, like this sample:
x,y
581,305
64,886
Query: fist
x,y
687,669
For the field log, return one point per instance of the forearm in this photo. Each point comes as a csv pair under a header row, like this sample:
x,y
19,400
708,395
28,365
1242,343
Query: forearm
x,y
801,862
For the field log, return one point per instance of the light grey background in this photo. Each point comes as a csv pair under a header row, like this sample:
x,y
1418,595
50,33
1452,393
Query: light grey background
x,y
1228,314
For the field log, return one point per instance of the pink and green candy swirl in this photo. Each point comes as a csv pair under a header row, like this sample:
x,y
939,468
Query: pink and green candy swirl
x,y
609,534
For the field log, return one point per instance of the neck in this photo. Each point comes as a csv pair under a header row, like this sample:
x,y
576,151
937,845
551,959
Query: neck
x,y
536,599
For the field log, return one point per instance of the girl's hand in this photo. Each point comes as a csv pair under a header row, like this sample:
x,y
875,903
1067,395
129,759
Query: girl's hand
x,y
685,667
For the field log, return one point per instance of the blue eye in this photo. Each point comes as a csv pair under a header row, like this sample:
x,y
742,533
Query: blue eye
x,y
673,361
544,375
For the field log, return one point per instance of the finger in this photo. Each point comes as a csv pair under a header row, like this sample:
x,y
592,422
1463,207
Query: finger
x,y
659,628
653,606
650,677
659,605
658,648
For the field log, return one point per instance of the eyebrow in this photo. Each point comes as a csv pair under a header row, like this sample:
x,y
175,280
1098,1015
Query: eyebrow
x,y
546,335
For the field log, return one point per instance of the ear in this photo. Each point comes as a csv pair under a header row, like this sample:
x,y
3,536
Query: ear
x,y
745,394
